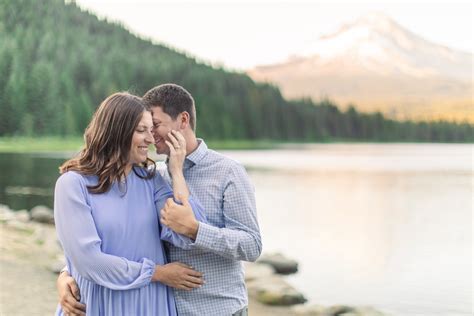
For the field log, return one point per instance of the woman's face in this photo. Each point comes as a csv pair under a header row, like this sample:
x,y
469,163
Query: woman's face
x,y
142,138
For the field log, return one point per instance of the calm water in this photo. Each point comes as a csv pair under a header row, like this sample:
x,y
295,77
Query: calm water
x,y
382,225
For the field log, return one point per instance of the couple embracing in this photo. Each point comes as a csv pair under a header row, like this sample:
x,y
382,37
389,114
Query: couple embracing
x,y
138,242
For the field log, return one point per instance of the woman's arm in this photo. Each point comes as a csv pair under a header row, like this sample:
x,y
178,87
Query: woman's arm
x,y
78,235
177,145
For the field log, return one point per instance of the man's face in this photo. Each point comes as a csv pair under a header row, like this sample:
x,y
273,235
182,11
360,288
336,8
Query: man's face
x,y
162,125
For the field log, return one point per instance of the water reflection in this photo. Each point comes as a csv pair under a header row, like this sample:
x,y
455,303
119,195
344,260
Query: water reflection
x,y
28,180
384,225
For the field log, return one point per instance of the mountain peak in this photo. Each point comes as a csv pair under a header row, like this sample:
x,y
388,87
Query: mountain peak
x,y
368,36
377,20
375,62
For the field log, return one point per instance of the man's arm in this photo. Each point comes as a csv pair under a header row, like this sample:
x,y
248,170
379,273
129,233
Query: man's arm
x,y
69,295
175,274
240,237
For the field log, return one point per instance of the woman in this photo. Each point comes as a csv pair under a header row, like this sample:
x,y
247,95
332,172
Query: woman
x,y
105,211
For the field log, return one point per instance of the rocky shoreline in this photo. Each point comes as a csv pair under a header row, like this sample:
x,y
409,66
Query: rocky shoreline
x,y
31,257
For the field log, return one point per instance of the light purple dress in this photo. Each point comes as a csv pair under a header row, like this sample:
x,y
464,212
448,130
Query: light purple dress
x,y
112,243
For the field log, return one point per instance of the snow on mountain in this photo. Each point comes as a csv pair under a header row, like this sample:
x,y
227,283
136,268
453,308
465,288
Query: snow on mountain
x,y
379,65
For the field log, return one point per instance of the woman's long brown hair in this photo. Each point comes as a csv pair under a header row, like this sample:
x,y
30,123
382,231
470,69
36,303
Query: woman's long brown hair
x,y
108,139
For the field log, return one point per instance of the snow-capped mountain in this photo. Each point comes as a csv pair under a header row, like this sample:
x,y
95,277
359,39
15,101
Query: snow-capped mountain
x,y
376,64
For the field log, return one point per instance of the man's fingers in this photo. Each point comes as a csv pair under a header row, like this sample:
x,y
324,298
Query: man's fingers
x,y
75,290
79,307
70,309
75,306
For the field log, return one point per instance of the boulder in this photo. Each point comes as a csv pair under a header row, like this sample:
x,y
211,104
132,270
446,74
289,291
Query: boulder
x,y
42,214
308,310
22,216
6,214
20,226
368,311
255,270
280,263
58,264
337,310
273,290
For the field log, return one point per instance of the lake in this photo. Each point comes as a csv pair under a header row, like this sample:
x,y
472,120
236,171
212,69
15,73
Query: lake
x,y
387,225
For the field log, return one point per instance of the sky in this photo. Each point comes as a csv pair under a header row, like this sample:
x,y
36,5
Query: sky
x,y
241,35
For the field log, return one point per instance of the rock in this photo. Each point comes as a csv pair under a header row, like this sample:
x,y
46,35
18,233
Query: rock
x,y
42,214
21,226
273,290
309,310
338,310
58,264
4,208
6,214
280,263
255,270
368,311
22,216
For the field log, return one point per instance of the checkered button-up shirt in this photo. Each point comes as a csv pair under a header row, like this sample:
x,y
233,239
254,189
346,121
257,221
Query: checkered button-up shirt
x,y
232,234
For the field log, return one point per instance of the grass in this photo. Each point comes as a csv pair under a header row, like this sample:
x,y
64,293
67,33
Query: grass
x,y
60,144
40,144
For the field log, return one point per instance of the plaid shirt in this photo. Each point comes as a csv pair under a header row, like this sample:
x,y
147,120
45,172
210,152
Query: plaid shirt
x,y
224,190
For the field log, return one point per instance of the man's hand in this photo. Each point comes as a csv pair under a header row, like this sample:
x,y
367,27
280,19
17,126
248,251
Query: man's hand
x,y
69,295
180,218
178,275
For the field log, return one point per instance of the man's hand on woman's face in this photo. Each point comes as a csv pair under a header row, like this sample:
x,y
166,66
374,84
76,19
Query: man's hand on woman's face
x,y
69,295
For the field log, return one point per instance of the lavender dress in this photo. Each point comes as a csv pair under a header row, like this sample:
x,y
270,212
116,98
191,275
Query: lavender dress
x,y
112,242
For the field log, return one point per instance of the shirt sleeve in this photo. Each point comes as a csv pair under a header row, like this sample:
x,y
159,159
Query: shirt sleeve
x,y
162,193
78,235
240,237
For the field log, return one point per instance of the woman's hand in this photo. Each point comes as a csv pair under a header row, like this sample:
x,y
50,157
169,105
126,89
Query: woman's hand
x,y
178,275
177,145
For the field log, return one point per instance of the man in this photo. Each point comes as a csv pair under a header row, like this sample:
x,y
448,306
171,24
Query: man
x,y
224,189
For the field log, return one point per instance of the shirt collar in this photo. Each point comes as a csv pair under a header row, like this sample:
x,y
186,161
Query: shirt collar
x,y
197,155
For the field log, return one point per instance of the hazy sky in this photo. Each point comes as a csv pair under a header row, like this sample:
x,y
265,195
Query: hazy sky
x,y
242,34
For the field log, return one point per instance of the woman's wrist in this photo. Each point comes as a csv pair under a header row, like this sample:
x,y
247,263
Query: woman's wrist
x,y
176,172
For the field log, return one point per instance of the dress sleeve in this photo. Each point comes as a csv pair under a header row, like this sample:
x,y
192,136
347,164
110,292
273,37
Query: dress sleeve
x,y
162,193
78,235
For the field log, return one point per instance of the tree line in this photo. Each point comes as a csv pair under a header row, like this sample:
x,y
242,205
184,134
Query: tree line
x,y
58,62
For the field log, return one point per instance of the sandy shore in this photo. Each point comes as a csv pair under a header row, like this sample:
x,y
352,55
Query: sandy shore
x,y
27,283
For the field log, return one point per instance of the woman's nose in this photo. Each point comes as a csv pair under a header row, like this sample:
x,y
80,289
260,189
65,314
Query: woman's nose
x,y
149,138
